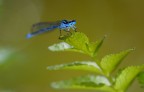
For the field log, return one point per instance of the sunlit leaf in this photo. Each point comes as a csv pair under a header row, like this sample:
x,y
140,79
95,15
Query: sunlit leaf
x,y
83,65
76,42
60,47
125,78
110,62
79,41
63,46
85,82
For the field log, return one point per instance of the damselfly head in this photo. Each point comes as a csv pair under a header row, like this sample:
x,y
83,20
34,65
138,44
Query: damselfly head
x,y
72,22
67,24
64,21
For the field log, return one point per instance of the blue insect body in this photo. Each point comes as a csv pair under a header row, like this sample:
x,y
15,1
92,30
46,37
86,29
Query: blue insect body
x,y
43,27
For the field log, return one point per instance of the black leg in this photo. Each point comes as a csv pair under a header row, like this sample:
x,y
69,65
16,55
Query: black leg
x,y
69,32
32,28
75,30
60,32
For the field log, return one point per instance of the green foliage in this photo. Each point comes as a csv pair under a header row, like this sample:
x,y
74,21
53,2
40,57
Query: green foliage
x,y
141,79
62,46
110,62
78,42
103,80
85,82
84,65
125,78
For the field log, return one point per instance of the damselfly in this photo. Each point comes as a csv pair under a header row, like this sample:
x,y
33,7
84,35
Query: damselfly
x,y
43,27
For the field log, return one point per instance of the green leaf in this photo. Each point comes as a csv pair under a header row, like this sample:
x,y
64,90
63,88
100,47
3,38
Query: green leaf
x,y
125,78
60,47
63,46
93,47
85,82
76,42
79,41
110,62
85,65
141,79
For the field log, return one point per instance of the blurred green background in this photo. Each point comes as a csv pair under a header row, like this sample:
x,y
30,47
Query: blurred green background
x,y
23,61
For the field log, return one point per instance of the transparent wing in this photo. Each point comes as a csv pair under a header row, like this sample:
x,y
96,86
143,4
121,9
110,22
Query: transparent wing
x,y
42,27
45,25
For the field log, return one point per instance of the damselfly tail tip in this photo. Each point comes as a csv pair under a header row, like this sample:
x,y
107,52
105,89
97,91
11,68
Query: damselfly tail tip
x,y
29,35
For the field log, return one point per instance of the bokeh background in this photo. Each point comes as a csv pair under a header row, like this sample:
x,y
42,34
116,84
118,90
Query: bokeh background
x,y
23,61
